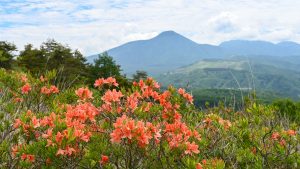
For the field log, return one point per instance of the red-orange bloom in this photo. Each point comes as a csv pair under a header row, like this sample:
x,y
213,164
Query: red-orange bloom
x,y
110,81
84,93
199,166
45,90
17,123
26,88
24,78
275,136
104,159
181,91
282,142
112,96
14,150
60,152
58,137
35,122
191,148
291,132
127,128
23,156
48,134
31,158
54,89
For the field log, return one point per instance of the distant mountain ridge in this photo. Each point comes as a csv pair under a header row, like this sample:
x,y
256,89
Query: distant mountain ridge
x,y
245,47
237,73
170,50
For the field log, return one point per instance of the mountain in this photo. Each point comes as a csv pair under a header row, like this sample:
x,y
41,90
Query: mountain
x,y
246,48
167,51
238,73
170,50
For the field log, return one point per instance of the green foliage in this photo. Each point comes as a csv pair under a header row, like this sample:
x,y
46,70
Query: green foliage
x,y
6,55
70,65
140,75
104,66
288,108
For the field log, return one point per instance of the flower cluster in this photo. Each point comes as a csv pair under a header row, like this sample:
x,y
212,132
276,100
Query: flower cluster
x,y
109,81
187,96
127,128
178,134
84,93
51,90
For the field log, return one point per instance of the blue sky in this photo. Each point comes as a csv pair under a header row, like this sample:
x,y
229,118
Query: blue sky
x,y
93,26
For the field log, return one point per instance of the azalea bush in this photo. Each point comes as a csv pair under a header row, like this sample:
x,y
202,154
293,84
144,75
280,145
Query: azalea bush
x,y
48,126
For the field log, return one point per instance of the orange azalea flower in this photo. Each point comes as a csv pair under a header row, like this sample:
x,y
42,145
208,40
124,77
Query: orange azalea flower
x,y
110,81
188,97
191,148
45,90
127,128
86,137
198,166
17,123
104,159
282,142
99,82
14,150
23,156
181,91
59,137
112,96
49,143
42,79
54,89
275,136
84,93
48,134
291,132
26,88
60,152
69,151
31,158
24,78
35,122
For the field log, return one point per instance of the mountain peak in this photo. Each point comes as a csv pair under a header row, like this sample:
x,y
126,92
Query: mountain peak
x,y
168,33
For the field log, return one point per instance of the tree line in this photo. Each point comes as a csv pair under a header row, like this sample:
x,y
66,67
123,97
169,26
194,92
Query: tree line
x,y
71,65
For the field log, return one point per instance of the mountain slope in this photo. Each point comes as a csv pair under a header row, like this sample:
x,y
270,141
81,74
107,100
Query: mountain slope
x,y
235,74
167,51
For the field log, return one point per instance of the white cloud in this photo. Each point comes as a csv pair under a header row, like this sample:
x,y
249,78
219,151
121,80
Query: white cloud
x,y
97,25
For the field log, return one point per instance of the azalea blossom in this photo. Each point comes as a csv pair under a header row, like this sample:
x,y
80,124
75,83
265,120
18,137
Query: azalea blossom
x,y
275,136
26,88
199,166
291,132
110,81
112,96
104,159
191,148
84,93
